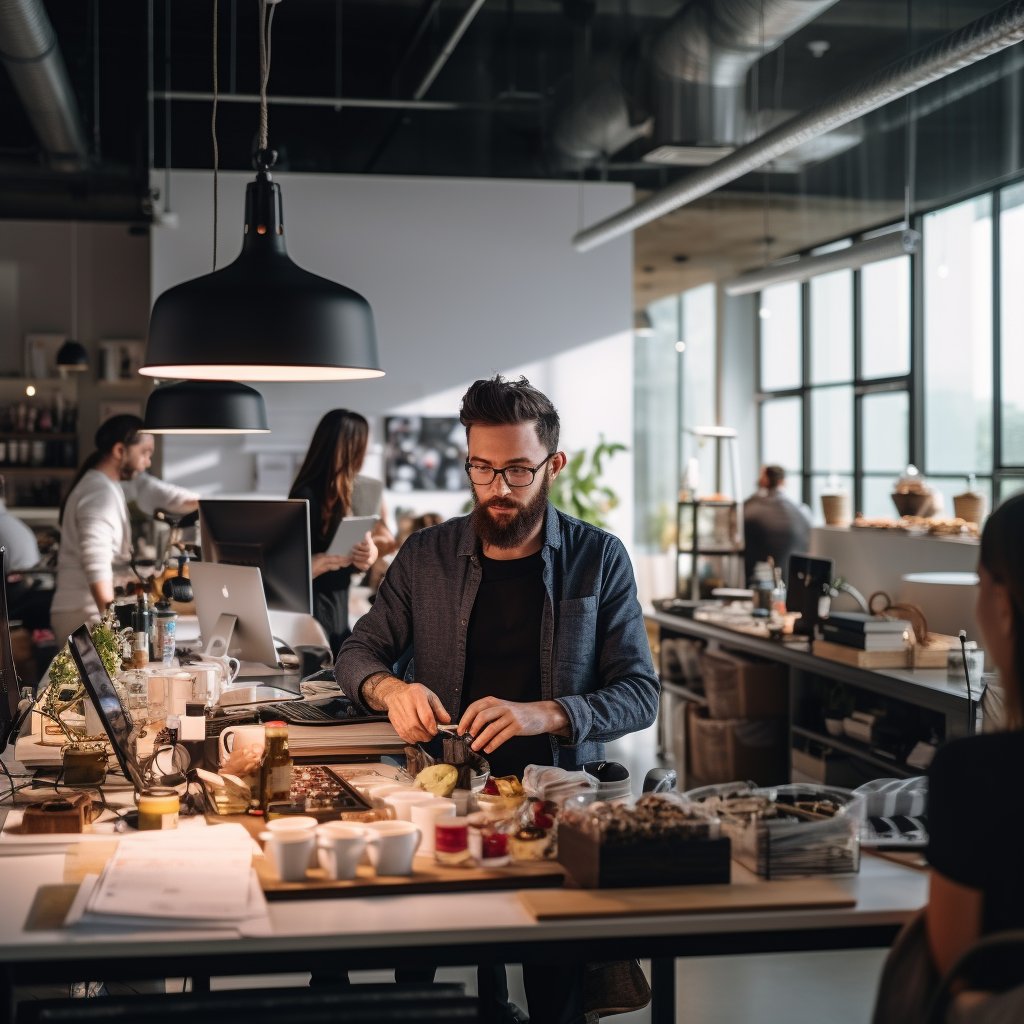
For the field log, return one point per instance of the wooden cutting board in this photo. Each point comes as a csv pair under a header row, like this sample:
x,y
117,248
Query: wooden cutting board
x,y
793,894
427,876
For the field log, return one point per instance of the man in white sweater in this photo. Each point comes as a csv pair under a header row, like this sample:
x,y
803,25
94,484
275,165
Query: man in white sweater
x,y
95,528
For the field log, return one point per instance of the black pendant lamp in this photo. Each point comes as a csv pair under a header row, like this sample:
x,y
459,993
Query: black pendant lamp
x,y
205,407
72,357
262,318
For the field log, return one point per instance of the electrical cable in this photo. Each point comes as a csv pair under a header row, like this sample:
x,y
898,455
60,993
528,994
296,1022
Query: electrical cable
x,y
213,132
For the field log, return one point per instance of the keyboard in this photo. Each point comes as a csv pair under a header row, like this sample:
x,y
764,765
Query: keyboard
x,y
334,711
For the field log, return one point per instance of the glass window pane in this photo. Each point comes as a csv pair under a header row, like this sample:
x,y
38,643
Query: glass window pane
x,y
655,400
1008,487
885,431
958,338
779,317
832,430
876,497
780,434
885,318
1012,302
698,332
832,327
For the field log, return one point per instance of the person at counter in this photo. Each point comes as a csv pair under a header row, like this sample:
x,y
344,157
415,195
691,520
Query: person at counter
x,y
94,524
774,526
329,480
522,622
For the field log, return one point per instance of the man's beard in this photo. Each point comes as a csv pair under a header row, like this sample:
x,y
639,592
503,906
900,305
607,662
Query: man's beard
x,y
510,531
127,473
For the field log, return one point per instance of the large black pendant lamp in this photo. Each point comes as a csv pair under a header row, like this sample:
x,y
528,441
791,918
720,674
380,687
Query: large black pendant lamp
x,y
262,318
205,407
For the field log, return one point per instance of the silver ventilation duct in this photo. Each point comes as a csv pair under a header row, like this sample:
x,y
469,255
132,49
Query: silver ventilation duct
x,y
974,42
702,60
28,48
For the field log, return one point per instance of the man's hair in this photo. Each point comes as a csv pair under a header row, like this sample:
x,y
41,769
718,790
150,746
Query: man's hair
x,y
774,475
500,402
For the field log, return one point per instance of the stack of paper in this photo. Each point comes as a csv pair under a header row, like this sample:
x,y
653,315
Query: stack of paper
x,y
195,878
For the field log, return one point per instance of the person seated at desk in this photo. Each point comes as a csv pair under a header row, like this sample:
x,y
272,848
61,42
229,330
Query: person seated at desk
x,y
524,627
975,806
774,526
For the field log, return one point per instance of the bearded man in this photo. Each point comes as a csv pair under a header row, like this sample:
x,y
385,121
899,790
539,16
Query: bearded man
x,y
95,532
523,623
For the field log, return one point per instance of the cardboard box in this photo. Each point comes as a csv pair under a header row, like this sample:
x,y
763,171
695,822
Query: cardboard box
x,y
593,865
737,749
738,687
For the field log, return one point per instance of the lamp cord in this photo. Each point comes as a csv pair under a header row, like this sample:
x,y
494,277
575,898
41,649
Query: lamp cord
x,y
213,132
266,20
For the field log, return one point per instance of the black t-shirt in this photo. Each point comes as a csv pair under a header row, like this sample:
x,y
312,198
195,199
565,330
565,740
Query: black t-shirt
x,y
976,822
503,651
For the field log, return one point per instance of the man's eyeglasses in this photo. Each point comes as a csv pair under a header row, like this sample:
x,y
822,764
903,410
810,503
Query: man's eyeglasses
x,y
514,476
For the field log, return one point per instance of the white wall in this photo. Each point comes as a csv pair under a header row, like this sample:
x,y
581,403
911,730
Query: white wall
x,y
466,278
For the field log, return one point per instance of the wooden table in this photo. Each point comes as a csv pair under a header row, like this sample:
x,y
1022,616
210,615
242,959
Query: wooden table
x,y
438,929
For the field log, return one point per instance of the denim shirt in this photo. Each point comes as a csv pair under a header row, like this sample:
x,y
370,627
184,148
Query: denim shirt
x,y
594,655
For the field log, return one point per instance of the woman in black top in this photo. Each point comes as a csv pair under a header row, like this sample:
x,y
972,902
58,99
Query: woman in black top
x,y
328,479
976,801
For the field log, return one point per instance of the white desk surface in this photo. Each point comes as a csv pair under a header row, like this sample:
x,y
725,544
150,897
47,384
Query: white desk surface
x,y
886,892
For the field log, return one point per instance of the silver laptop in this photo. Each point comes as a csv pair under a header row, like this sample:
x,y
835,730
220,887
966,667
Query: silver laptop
x,y
232,612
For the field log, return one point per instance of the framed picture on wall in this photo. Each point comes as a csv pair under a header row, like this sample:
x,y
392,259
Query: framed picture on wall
x,y
120,359
41,354
425,453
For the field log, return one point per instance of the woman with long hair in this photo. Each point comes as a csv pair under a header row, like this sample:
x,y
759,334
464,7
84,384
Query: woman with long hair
x,y
976,886
329,480
95,531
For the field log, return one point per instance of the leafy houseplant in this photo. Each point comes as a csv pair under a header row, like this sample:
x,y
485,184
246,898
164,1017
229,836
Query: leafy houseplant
x,y
578,489
66,690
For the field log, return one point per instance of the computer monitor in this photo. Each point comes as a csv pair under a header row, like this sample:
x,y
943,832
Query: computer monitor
x,y
232,612
270,534
9,691
118,726
808,590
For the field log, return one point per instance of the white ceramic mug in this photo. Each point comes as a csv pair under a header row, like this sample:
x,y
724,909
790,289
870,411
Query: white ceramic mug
x,y
243,737
290,851
426,815
376,793
391,846
240,737
339,847
403,800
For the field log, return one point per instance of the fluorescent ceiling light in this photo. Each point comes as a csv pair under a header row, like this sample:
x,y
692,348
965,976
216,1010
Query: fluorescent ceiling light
x,y
902,242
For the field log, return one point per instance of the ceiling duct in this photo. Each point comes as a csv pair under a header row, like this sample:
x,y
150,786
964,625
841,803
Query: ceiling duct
x,y
701,64
989,34
28,48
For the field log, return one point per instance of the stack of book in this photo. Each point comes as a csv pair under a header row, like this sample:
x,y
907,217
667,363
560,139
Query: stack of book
x,y
866,632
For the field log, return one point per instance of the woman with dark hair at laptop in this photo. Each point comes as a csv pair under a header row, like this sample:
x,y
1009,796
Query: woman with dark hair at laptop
x,y
329,480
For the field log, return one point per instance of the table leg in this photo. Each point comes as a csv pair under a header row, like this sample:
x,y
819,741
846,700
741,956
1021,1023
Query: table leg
x,y
663,990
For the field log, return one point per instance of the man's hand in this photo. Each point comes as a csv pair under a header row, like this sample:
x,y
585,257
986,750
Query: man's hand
x,y
414,710
364,554
491,721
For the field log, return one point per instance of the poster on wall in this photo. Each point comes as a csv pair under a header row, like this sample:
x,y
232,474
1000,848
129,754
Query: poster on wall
x,y
425,453
120,360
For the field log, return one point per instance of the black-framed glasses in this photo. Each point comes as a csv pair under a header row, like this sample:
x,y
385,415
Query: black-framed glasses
x,y
514,476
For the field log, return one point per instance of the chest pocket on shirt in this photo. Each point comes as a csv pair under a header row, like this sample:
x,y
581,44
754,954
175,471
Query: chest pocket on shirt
x,y
575,641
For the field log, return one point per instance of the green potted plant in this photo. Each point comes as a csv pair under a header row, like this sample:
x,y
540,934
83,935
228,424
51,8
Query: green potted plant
x,y
578,489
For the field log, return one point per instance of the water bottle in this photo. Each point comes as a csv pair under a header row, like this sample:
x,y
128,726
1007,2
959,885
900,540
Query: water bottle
x,y
165,624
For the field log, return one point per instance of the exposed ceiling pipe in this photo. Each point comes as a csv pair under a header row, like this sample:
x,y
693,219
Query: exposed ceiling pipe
x,y
705,54
28,48
447,50
980,39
